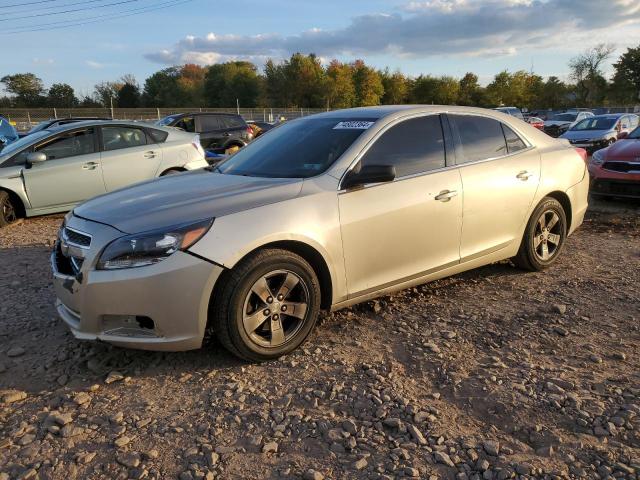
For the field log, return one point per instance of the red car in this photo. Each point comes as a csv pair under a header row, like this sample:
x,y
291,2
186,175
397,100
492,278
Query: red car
x,y
536,122
615,170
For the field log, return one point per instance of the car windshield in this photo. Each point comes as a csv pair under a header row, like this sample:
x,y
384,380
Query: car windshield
x,y
299,149
565,117
23,142
6,130
166,120
595,124
635,134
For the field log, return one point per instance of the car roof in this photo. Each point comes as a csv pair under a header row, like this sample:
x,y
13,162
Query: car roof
x,y
89,123
611,116
213,114
382,111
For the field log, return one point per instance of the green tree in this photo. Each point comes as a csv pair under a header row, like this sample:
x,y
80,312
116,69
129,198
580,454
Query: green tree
x,y
469,90
162,90
276,84
554,94
339,89
105,92
305,79
368,85
626,80
224,83
396,87
129,94
586,71
27,88
442,90
61,95
520,89
191,84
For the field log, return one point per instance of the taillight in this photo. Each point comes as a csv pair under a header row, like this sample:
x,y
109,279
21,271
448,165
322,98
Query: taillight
x,y
249,130
583,153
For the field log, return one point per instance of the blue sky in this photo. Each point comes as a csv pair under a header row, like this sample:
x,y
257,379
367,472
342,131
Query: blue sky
x,y
423,36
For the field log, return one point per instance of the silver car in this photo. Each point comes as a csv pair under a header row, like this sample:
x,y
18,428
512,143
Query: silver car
x,y
600,131
322,213
52,170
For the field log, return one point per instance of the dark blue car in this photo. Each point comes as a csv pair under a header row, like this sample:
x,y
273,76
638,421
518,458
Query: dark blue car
x,y
8,134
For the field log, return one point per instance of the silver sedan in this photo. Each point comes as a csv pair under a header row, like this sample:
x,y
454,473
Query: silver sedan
x,y
52,170
321,213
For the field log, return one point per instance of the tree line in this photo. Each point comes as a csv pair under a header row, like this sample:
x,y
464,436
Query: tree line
x,y
303,81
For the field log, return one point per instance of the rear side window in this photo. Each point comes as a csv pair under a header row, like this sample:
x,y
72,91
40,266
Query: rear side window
x,y
479,138
514,142
116,138
157,136
413,146
233,122
209,123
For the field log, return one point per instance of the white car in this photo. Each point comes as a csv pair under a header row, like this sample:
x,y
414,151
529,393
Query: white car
x,y
54,169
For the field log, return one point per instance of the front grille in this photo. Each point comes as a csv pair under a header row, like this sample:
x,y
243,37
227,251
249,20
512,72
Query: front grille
x,y
554,130
616,188
76,238
624,167
63,264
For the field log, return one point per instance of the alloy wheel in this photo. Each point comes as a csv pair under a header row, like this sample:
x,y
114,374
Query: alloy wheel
x,y
547,236
276,308
8,211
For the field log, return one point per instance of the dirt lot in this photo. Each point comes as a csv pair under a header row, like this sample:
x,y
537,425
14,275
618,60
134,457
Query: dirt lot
x,y
492,374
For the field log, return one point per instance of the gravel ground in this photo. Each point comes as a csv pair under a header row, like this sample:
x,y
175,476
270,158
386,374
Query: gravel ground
x,y
491,374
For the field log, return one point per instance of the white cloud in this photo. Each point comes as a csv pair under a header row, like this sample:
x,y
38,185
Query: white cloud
x,y
94,64
427,28
43,61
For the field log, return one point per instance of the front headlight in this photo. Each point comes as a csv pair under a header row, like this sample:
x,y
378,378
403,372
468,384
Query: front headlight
x,y
598,157
148,248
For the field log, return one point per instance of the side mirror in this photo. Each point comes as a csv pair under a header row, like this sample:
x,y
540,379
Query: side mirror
x,y
34,157
369,174
622,135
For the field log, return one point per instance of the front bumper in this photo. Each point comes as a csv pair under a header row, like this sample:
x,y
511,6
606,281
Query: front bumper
x,y
590,145
158,307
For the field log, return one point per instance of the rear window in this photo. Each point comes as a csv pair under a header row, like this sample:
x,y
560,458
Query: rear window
x,y
480,138
234,122
298,149
210,122
157,136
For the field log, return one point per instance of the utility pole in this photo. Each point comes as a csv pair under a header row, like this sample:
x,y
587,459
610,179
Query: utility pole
x,y
238,106
111,104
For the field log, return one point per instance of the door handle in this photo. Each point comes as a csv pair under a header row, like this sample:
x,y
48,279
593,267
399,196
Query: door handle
x,y
150,155
524,175
446,195
226,134
90,166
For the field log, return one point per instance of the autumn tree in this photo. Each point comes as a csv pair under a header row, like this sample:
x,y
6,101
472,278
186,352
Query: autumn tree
x,y
226,83
190,82
396,87
340,91
368,85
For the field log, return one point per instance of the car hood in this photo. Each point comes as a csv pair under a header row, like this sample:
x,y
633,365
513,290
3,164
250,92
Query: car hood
x,y
585,134
184,198
624,150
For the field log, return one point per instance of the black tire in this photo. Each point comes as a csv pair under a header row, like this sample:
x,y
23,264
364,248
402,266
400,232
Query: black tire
x,y
232,297
8,209
531,253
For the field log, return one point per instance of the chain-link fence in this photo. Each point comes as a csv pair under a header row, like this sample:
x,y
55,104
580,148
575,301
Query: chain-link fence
x,y
25,118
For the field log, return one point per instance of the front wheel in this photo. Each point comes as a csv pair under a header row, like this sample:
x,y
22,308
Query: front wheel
x,y
267,305
544,236
8,211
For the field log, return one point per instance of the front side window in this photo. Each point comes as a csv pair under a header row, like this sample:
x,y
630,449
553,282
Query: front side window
x,y
413,146
116,138
299,149
69,144
187,124
479,138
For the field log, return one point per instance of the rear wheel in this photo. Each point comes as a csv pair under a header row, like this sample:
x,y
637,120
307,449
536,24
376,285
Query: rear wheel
x,y
544,236
267,305
8,209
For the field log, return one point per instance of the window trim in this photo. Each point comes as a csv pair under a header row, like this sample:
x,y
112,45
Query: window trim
x,y
143,129
529,145
381,132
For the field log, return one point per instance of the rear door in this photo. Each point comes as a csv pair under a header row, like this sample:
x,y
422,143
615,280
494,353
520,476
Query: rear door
x,y
211,130
72,172
129,155
500,175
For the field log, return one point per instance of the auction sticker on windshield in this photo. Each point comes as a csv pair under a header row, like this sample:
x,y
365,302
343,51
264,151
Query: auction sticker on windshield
x,y
353,125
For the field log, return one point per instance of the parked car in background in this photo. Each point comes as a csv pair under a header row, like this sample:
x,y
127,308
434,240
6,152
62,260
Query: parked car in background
x,y
259,128
218,132
513,111
57,122
561,122
8,133
543,114
52,170
321,213
536,122
600,131
615,170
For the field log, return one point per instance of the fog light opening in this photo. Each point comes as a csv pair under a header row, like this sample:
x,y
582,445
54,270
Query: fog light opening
x,y
145,322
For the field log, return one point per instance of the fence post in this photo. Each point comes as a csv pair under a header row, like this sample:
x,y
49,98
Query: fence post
x,y
158,112
29,119
55,113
